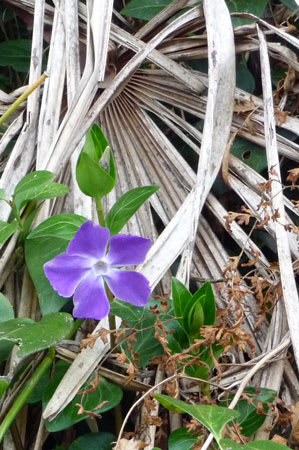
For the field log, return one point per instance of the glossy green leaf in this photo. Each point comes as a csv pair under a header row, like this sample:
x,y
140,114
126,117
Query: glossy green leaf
x,y
92,179
126,206
11,329
256,7
180,439
181,297
251,154
101,441
37,186
227,444
16,53
214,418
6,309
33,337
7,229
52,329
144,10
52,237
96,173
105,391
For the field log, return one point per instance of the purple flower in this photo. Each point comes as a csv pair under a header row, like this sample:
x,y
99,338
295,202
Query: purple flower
x,y
86,265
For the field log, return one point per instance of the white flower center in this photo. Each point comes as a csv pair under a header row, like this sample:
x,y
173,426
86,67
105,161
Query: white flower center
x,y
101,268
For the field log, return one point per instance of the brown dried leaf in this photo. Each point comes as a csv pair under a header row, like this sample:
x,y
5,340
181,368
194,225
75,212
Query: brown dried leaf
x,y
244,107
132,444
293,176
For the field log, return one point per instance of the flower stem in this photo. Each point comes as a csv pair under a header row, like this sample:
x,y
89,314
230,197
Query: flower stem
x,y
100,212
25,393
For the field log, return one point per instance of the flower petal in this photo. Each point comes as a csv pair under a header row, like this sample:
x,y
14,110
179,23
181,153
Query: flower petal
x,y
90,241
126,250
129,286
65,273
90,299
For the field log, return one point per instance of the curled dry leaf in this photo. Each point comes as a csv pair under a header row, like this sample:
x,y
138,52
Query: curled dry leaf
x,y
293,176
125,444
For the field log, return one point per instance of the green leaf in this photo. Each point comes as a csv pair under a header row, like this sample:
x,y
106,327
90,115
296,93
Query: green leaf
x,y
52,236
144,10
180,439
52,329
249,419
101,441
244,78
105,391
195,318
142,319
291,4
130,313
181,298
6,309
214,418
256,7
207,299
37,186
126,206
2,194
10,330
16,53
251,154
96,173
3,386
9,335
33,337
7,229
227,444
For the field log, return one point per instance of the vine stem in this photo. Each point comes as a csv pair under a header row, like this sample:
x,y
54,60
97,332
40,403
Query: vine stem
x,y
23,97
28,389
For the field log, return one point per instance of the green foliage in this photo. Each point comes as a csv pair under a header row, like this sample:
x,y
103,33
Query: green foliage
x,y
6,309
181,439
90,441
251,154
126,206
52,236
256,7
144,10
227,444
249,419
193,311
7,230
3,386
16,53
96,174
214,418
143,320
36,336
291,4
37,186
244,78
105,391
